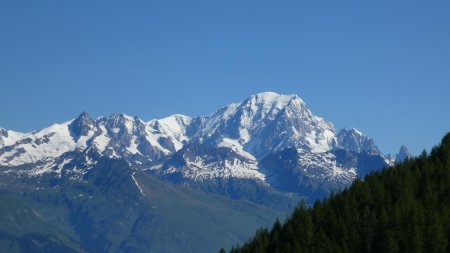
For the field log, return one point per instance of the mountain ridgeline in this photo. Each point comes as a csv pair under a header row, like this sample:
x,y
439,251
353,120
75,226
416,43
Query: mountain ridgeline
x,y
405,208
239,142
178,184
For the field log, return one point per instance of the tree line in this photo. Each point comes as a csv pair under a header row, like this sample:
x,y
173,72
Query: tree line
x,y
405,208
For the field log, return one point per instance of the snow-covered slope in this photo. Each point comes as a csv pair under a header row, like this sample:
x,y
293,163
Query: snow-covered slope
x,y
201,162
172,132
354,140
263,125
8,137
297,170
52,141
118,136
267,122
230,143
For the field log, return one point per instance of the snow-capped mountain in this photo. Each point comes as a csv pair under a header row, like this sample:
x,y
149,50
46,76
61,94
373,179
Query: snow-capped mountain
x,y
206,162
235,142
8,137
354,140
265,125
246,132
267,122
118,136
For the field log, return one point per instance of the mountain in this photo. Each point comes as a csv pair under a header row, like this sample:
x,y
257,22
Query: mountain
x,y
268,122
100,204
230,143
355,141
402,209
253,160
402,155
239,140
8,137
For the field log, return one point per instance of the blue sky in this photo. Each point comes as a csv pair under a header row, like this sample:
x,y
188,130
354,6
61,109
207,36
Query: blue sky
x,y
380,66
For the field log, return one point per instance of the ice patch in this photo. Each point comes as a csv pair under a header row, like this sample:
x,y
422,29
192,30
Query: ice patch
x,y
134,179
101,141
133,148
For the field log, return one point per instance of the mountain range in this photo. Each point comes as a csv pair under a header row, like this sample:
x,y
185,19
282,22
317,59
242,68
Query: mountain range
x,y
254,159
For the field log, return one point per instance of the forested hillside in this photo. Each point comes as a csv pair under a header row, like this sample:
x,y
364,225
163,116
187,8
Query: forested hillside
x,y
405,208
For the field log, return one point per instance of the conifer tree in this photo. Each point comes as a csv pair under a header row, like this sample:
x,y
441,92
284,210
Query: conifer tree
x,y
405,208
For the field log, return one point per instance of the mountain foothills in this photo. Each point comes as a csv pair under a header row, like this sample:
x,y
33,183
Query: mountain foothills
x,y
178,184
405,208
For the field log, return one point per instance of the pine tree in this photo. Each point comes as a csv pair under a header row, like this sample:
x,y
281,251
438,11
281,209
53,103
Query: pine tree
x,y
405,208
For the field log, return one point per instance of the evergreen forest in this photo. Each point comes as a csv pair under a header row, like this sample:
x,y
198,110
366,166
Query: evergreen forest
x,y
404,208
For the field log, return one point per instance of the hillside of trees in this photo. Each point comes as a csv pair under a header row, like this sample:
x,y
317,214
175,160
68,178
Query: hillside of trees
x,y
405,208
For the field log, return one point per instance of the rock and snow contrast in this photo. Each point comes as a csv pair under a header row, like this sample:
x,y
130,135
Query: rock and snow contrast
x,y
8,138
242,140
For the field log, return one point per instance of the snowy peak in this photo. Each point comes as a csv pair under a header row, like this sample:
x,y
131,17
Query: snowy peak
x,y
302,129
253,113
8,137
170,133
354,140
116,133
267,104
174,125
3,132
271,97
228,143
52,141
266,122
290,123
124,123
264,106
116,136
143,143
81,126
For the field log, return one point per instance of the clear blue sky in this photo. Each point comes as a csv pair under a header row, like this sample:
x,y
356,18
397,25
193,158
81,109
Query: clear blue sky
x,y
380,66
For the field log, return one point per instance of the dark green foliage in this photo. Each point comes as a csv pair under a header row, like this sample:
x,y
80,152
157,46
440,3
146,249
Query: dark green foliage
x,y
405,208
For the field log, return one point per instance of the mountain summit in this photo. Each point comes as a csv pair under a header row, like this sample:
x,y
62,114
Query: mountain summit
x,y
402,155
118,183
266,122
354,140
239,141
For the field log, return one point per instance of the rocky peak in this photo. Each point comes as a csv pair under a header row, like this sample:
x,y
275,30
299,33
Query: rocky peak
x,y
355,141
124,125
266,122
81,126
264,106
3,132
402,155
